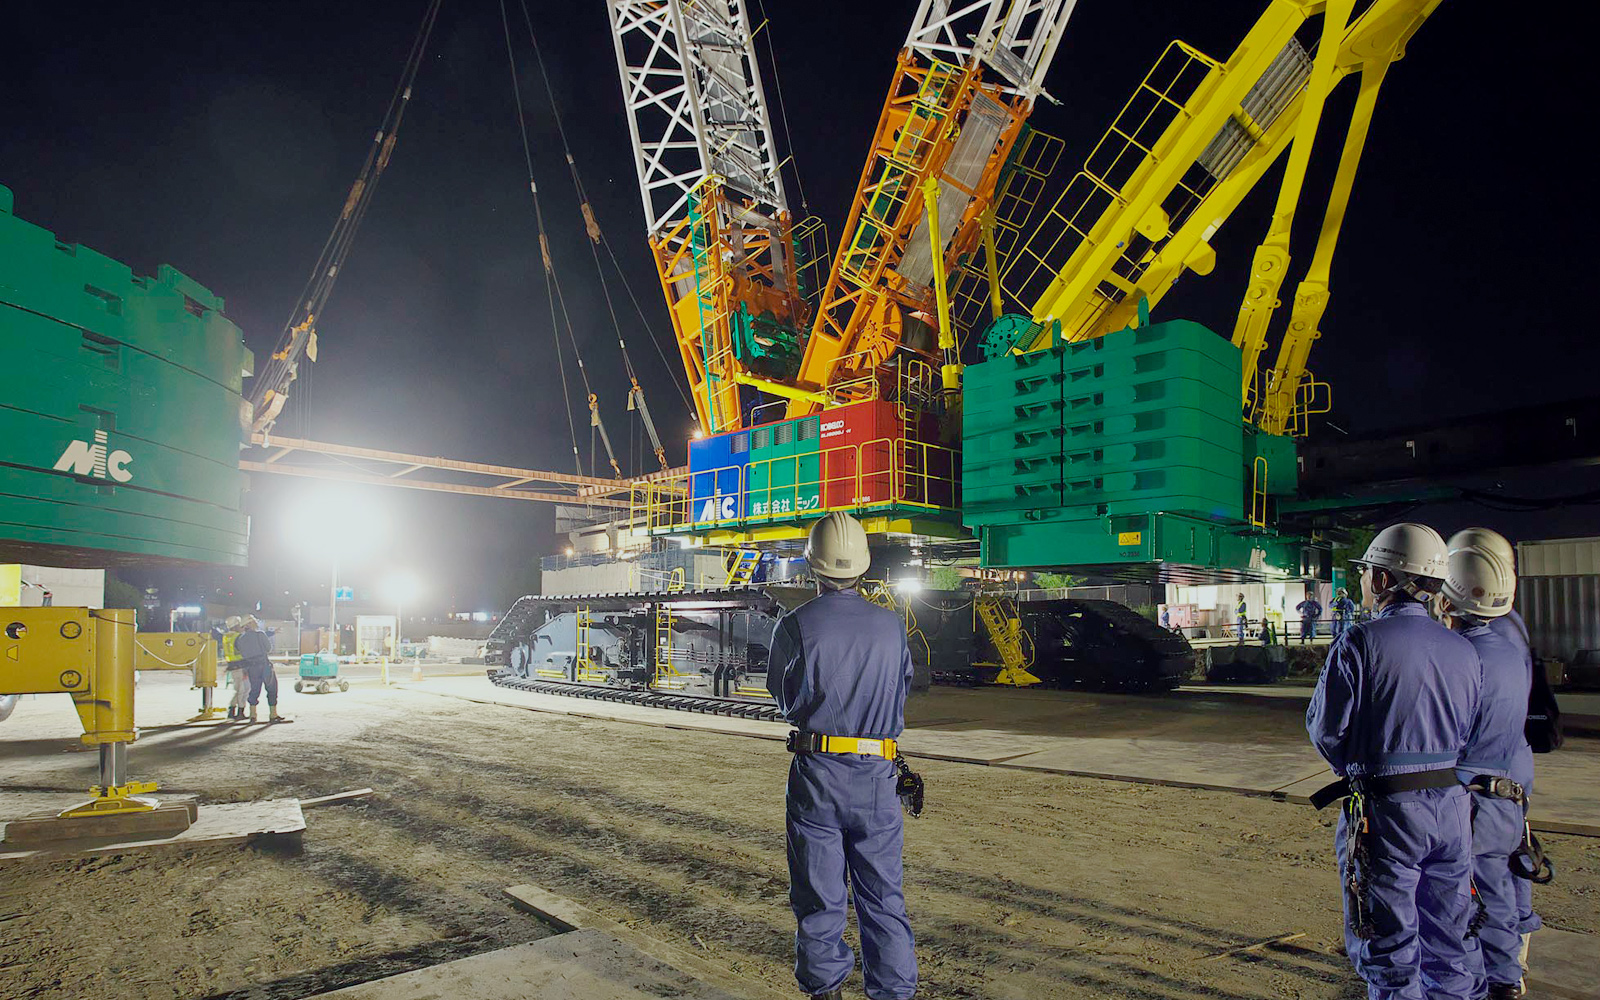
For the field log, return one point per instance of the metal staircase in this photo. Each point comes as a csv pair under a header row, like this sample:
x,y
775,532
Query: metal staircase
x,y
1003,624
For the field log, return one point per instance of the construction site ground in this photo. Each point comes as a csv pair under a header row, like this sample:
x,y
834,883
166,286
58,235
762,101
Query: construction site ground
x,y
1023,880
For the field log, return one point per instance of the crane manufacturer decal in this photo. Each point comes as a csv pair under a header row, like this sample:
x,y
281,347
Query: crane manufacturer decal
x,y
97,460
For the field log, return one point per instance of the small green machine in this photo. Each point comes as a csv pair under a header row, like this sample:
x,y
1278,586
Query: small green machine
x,y
319,672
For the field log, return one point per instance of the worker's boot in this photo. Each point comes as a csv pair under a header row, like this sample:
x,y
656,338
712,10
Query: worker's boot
x,y
1504,991
272,714
830,995
253,713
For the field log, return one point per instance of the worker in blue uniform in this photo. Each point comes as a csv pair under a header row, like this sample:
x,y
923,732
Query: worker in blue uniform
x,y
1392,710
1514,632
839,671
1310,610
1343,610
1479,587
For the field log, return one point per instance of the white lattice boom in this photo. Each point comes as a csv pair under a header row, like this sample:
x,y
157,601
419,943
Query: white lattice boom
x,y
1015,38
695,104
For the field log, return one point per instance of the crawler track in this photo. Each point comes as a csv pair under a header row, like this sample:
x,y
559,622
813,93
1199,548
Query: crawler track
x,y
704,704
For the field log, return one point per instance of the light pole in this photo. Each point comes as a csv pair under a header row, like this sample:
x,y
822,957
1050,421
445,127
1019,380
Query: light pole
x,y
400,587
335,525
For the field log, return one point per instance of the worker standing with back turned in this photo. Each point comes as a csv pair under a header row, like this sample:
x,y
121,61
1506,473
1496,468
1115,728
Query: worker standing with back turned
x,y
1513,631
237,676
839,671
256,650
1392,712
1496,764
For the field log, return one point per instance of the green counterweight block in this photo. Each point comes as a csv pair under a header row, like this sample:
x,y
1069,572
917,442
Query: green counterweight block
x,y
121,409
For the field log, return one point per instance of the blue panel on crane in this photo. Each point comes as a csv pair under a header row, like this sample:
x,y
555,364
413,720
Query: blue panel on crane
x,y
716,476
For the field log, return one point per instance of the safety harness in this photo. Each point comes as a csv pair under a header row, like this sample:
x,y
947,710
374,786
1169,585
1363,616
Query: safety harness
x,y
1528,861
908,784
1355,792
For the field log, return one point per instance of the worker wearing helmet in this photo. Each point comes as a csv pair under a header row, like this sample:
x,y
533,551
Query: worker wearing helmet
x,y
1391,713
1478,588
1514,633
1241,614
839,670
237,675
1343,610
256,650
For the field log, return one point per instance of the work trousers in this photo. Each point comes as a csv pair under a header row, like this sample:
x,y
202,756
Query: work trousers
x,y
1420,895
1308,630
1496,832
1242,622
239,677
262,675
1339,625
844,827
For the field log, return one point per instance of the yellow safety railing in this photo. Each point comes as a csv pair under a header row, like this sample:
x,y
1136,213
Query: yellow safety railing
x,y
882,473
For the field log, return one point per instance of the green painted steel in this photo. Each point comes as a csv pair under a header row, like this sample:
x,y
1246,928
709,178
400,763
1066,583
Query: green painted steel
x,y
784,477
1120,453
121,412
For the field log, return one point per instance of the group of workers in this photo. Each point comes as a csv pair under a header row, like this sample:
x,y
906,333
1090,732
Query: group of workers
x,y
247,650
1423,720
1343,608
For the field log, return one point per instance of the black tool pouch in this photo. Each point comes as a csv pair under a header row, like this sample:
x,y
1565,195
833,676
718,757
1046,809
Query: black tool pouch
x,y
908,785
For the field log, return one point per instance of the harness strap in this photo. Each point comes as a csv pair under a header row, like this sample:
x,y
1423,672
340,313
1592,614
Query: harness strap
x,y
806,741
1381,785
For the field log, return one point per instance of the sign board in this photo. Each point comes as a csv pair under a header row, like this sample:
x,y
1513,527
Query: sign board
x,y
344,594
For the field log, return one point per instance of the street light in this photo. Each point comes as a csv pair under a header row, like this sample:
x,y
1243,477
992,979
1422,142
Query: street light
x,y
337,524
402,588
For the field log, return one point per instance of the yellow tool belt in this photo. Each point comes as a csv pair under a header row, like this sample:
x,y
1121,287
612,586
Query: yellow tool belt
x,y
804,741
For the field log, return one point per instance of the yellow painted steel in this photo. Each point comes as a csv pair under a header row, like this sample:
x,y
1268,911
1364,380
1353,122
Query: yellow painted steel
x,y
950,371
1001,621
781,389
744,566
665,669
86,653
196,652
865,305
1146,206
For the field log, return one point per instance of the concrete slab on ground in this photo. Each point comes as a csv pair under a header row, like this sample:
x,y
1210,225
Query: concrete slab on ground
x,y
1206,738
1564,964
579,965
226,822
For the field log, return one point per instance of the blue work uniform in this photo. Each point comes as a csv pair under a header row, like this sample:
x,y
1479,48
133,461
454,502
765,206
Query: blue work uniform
x,y
840,666
1399,695
1498,747
1310,610
1343,609
1514,630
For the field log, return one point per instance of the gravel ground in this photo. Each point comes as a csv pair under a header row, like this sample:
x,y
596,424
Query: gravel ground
x,y
1019,884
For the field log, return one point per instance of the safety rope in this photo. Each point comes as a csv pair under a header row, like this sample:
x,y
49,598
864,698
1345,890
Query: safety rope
x,y
636,399
299,338
552,283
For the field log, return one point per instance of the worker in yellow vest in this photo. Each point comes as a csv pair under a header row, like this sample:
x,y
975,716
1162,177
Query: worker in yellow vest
x,y
236,668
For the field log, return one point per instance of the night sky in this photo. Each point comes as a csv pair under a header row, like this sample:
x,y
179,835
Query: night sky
x,y
222,138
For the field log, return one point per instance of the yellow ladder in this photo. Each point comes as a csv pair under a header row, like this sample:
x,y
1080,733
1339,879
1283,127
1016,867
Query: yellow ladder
x,y
667,676
585,669
744,566
1004,626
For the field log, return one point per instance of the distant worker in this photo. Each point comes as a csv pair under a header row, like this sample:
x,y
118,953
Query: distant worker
x,y
1497,763
256,650
1510,628
1310,610
839,671
1344,609
1392,711
237,676
1166,617
1241,612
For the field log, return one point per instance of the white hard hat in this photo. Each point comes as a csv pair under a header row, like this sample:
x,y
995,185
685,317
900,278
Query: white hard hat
x,y
836,548
234,621
1414,553
1485,538
1479,582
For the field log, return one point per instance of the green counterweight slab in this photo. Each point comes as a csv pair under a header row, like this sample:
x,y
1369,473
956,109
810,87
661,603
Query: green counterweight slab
x,y
1126,452
121,409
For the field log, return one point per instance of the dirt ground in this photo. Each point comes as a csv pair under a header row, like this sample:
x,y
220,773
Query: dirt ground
x,y
1019,884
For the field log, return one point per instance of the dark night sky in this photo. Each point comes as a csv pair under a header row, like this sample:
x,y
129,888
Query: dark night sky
x,y
222,137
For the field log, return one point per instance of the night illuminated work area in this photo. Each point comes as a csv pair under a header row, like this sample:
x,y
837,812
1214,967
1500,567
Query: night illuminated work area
x,y
758,499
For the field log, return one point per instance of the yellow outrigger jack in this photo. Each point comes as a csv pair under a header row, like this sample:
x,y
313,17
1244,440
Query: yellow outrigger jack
x,y
87,653
1003,624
